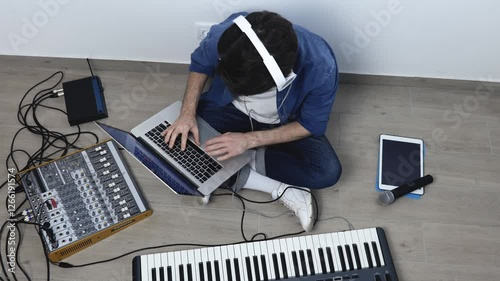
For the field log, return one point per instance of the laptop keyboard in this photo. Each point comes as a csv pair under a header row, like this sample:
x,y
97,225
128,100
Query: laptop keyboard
x,y
196,161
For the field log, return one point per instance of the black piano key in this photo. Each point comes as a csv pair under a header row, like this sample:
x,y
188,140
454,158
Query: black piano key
x,y
375,252
228,270
256,268
276,268
162,273
303,262
283,265
190,272
209,271
249,268
264,267
311,261
201,271
377,277
368,256
322,260
341,257
330,259
217,270
181,272
169,274
153,274
349,257
237,269
356,255
388,277
295,264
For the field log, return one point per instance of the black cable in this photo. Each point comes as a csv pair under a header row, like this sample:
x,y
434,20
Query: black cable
x,y
90,67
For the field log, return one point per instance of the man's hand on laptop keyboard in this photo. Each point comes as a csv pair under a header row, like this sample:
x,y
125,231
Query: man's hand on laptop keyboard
x,y
227,145
185,124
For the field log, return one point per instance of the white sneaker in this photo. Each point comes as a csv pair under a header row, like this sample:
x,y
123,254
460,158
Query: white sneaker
x,y
300,202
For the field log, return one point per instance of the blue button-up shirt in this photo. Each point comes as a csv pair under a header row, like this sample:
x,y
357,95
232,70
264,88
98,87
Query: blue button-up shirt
x,y
311,94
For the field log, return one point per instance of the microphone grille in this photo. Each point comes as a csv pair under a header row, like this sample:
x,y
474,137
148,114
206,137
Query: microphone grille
x,y
386,198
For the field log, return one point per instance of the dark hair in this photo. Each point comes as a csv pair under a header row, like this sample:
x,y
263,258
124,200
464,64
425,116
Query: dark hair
x,y
241,66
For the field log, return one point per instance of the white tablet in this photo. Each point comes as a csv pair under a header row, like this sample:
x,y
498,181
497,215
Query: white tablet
x,y
401,160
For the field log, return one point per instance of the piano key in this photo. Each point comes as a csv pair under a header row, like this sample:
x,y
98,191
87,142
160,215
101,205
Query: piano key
x,y
180,269
211,258
368,256
377,242
369,239
170,275
340,251
244,255
177,262
210,271
322,262
230,256
237,272
290,249
258,265
267,257
350,257
296,266
285,262
204,258
144,268
264,267
153,274
362,263
303,247
375,251
197,259
151,264
190,272
335,252
248,268
275,266
316,246
323,244
158,264
229,272
302,260
162,273
277,250
251,253
350,250
225,270
296,247
342,248
311,255
255,261
330,257
239,265
217,264
184,260
171,264
201,271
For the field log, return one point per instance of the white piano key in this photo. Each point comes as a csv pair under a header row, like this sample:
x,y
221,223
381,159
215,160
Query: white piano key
x,y
277,251
171,260
297,247
218,258
315,258
362,256
349,241
335,253
211,259
369,240
270,251
184,262
223,251
239,256
164,261
303,247
264,251
316,245
157,265
377,241
258,252
342,245
323,244
197,260
244,254
145,268
230,256
177,262
288,262
290,247
204,259
251,253
362,240
151,265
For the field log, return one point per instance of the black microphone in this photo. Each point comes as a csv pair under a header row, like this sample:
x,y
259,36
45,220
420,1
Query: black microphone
x,y
389,196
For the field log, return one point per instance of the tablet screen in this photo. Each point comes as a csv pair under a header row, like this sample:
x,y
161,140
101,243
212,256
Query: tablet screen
x,y
400,162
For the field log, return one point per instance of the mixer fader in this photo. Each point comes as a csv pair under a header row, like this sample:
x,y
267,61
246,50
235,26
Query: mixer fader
x,y
83,198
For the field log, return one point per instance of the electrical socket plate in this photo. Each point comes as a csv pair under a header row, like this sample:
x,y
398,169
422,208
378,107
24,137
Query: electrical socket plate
x,y
202,29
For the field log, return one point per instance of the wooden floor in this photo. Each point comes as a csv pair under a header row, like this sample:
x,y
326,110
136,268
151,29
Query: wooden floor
x,y
450,234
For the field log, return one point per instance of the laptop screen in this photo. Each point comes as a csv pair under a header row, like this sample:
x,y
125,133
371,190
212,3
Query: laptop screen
x,y
164,171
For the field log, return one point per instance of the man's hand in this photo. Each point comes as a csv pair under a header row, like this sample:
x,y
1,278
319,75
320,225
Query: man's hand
x,y
185,124
227,145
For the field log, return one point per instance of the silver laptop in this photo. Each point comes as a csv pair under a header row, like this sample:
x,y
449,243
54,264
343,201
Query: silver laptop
x,y
193,163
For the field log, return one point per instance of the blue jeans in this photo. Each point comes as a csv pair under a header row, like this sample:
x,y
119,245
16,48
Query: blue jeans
x,y
310,162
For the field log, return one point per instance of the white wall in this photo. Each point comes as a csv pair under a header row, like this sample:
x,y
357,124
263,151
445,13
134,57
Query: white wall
x,y
457,39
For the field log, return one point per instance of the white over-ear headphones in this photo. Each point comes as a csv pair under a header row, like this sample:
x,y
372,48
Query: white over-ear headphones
x,y
269,61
